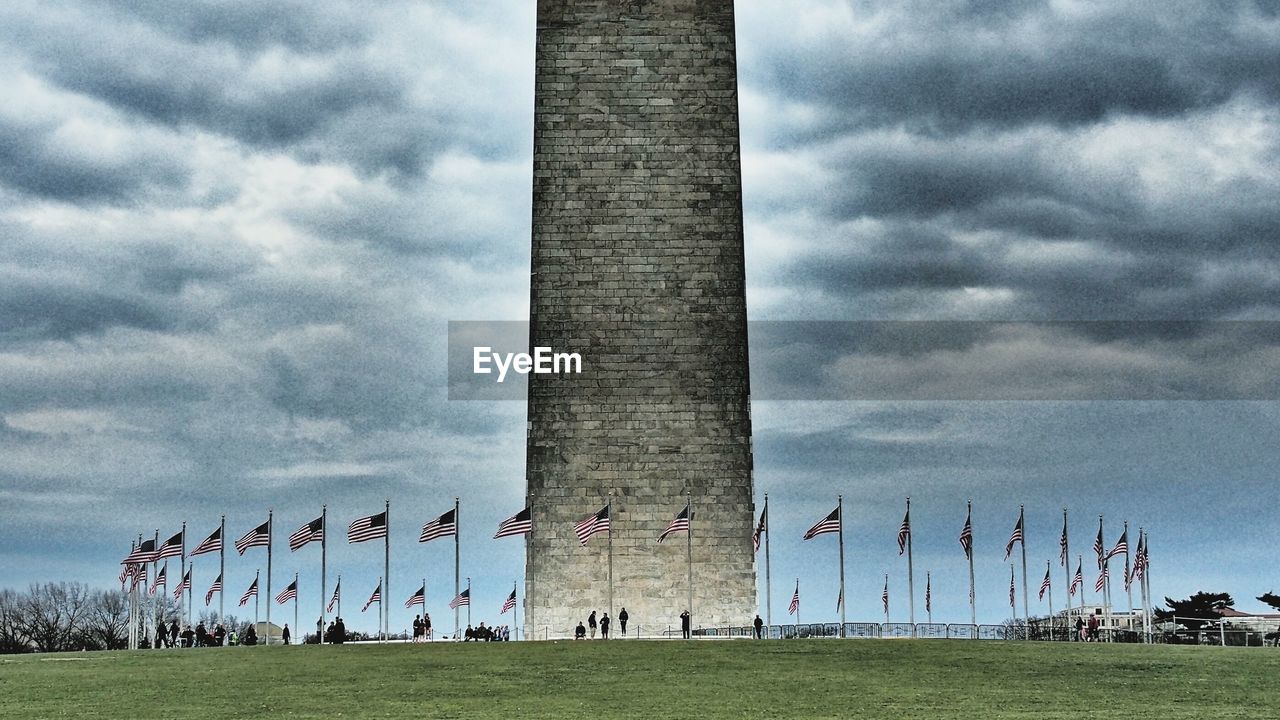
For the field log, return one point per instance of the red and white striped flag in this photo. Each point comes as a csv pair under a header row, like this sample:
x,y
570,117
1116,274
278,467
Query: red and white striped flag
x,y
1077,582
1099,545
312,531
1062,543
761,527
828,524
592,524
928,593
289,593
160,580
213,543
144,553
171,547
376,597
1139,560
1103,575
966,534
463,598
509,604
443,526
249,594
183,585
1044,584
519,524
1011,591
679,524
373,527
337,593
904,532
884,596
257,537
216,587
139,577
418,598
795,601
1016,537
1121,546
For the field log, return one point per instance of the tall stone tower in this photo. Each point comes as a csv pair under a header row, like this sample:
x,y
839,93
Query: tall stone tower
x,y
638,266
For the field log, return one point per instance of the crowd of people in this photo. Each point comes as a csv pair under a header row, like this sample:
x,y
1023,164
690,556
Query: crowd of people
x,y
487,634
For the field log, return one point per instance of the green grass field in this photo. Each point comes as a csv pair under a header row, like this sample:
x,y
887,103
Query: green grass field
x,y
701,679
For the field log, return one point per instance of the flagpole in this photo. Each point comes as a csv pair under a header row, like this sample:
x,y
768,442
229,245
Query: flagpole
x,y
1026,605
1047,566
530,578
973,607
1106,585
609,505
886,598
324,581
457,583
296,590
768,585
270,527
338,588
911,587
184,571
468,602
688,511
797,608
1146,579
1066,569
840,507
257,596
1128,586
222,567
386,568
158,608
515,611
928,593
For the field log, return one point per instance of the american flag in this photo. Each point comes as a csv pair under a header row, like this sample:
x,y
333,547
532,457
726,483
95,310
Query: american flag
x,y
1044,584
249,594
1139,559
213,543
337,593
1011,595
443,526
1016,537
1121,546
839,599
464,598
966,533
1103,575
679,524
509,603
418,598
257,537
367,528
884,596
183,585
928,593
144,553
795,601
376,597
171,547
592,524
139,577
760,528
519,524
289,593
126,573
904,533
828,524
1099,545
313,530
1077,583
160,580
1062,543
216,587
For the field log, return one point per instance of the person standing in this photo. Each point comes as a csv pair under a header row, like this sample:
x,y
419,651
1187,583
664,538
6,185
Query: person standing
x,y
1093,627
591,624
417,629
426,627
604,627
759,626
684,624
622,621
284,634
173,633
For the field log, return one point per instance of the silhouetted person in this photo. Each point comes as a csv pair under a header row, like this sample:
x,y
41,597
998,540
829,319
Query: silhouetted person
x,y
580,632
250,635
219,634
684,624
340,632
426,626
591,623
173,632
759,626
202,635
622,621
162,636
604,627
284,634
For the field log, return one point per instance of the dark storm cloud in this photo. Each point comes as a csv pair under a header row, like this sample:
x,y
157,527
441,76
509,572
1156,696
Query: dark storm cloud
x,y
945,66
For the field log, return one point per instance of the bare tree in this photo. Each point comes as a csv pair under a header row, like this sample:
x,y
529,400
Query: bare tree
x,y
106,624
52,613
13,634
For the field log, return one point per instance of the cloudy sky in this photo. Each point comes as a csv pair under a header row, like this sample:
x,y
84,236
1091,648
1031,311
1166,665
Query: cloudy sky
x,y
232,236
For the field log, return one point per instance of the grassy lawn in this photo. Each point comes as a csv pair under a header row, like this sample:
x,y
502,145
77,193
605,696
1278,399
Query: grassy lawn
x,y
714,679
